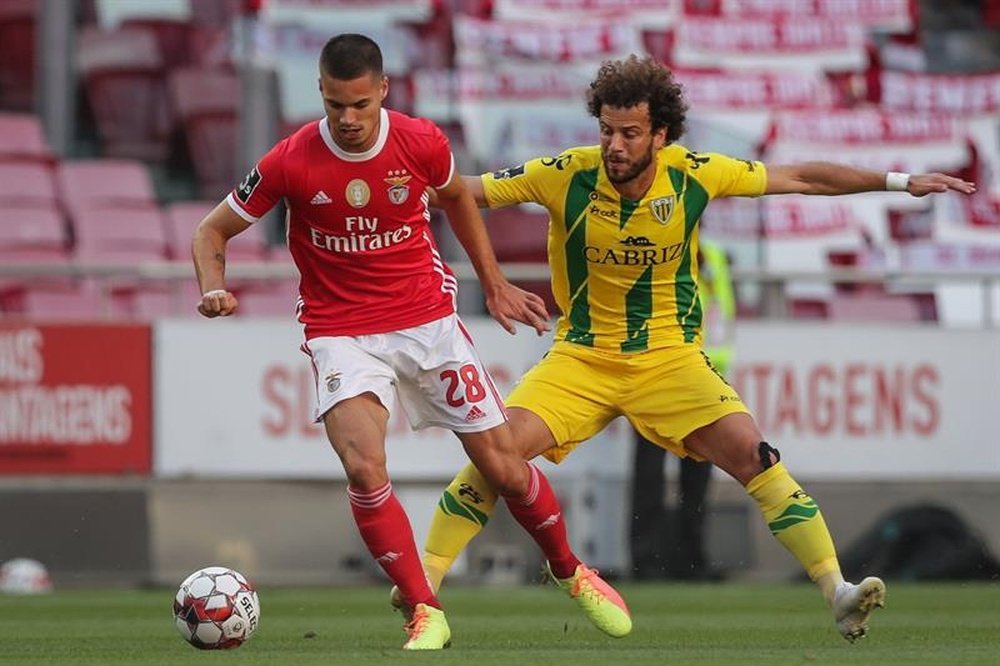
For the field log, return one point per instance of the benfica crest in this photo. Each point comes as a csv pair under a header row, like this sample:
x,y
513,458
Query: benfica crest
x,y
662,208
398,189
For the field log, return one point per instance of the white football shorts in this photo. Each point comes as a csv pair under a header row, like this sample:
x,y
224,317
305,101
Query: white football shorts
x,y
433,368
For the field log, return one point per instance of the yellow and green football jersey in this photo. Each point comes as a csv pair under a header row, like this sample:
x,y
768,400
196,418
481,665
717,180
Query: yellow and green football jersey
x,y
624,273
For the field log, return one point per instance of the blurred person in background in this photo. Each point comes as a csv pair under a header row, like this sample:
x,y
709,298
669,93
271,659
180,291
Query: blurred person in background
x,y
665,545
623,243
378,307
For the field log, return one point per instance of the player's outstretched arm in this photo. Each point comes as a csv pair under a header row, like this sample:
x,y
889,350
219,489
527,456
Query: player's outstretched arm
x,y
832,179
208,250
505,302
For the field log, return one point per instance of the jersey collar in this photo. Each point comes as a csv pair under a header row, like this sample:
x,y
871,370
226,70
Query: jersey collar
x,y
383,135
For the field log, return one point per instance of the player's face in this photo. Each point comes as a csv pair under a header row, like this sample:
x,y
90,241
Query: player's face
x,y
352,109
628,142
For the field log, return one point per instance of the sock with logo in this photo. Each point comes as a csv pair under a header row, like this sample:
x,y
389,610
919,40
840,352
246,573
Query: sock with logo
x,y
463,510
539,513
386,531
795,521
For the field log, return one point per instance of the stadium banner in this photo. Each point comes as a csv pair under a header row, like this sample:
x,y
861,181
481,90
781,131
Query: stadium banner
x,y
483,43
858,402
803,44
882,15
842,402
652,14
785,89
953,94
511,113
869,138
293,33
74,399
234,398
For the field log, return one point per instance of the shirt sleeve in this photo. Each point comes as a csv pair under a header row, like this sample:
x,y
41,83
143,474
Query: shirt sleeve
x,y
518,184
441,166
261,189
725,176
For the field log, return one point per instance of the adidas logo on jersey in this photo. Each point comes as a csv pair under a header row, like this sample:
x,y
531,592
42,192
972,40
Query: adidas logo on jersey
x,y
320,198
475,414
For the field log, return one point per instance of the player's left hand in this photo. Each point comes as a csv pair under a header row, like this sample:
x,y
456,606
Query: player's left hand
x,y
507,303
922,184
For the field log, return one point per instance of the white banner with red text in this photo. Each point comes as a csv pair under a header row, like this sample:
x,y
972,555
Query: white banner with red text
x,y
234,399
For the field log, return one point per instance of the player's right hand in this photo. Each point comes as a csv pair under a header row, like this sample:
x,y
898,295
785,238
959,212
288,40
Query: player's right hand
x,y
217,303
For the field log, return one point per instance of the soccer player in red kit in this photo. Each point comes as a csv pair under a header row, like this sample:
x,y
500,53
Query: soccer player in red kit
x,y
378,307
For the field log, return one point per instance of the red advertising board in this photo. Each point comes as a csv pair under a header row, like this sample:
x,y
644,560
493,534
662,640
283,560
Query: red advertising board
x,y
75,399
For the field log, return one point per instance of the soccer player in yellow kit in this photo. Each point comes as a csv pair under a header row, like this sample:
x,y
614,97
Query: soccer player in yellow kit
x,y
622,246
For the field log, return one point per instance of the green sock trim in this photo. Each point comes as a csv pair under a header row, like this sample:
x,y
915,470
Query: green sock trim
x,y
453,507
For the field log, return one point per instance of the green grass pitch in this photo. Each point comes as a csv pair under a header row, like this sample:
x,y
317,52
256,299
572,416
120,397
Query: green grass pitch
x,y
674,624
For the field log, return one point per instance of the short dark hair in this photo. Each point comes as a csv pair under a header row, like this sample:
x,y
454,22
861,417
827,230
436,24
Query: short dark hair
x,y
632,81
350,55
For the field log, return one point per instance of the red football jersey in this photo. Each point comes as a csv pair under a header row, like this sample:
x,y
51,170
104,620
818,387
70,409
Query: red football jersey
x,y
358,224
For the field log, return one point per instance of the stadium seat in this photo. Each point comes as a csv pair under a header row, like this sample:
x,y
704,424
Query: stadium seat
x,y
520,234
17,54
27,184
873,308
207,104
105,183
183,216
32,235
73,303
173,37
22,138
119,235
122,72
276,298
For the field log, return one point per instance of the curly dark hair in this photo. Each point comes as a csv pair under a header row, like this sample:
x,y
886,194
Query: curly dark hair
x,y
632,81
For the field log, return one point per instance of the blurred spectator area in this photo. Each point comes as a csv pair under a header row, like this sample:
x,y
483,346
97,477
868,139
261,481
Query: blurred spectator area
x,y
160,87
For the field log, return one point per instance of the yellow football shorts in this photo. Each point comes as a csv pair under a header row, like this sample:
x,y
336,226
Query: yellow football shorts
x,y
665,394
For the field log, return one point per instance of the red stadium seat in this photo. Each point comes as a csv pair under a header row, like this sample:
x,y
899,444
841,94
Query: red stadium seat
x,y
27,184
207,104
521,235
17,54
873,308
518,234
105,183
22,138
277,298
183,216
172,36
76,303
32,234
123,77
119,235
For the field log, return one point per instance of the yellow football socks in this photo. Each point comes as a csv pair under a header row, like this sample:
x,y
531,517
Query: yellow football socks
x,y
795,520
464,508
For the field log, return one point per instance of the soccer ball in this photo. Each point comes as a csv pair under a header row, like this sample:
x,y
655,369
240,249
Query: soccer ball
x,y
24,576
216,608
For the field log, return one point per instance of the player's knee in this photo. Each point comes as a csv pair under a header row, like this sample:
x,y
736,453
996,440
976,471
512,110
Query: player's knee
x,y
509,480
768,456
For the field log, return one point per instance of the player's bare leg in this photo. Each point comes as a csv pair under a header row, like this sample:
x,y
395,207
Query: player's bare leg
x,y
735,445
356,428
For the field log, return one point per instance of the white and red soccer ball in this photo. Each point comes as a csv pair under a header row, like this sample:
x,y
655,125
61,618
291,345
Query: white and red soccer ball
x,y
23,575
216,608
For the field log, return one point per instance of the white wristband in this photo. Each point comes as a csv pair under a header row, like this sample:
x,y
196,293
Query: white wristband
x,y
896,181
214,292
